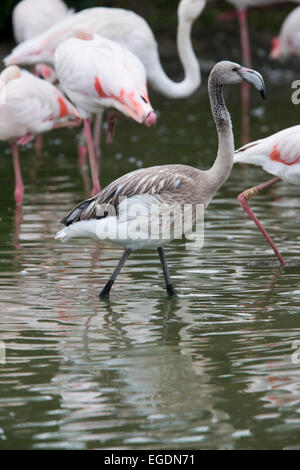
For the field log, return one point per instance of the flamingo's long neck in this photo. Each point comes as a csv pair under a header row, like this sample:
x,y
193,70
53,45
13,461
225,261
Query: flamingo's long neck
x,y
222,166
192,79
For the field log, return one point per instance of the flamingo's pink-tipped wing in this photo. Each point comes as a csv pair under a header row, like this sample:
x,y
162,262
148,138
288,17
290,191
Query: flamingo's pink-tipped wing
x,y
278,154
99,72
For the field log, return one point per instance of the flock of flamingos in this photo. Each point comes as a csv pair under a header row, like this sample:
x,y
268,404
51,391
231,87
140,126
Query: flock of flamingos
x,y
82,63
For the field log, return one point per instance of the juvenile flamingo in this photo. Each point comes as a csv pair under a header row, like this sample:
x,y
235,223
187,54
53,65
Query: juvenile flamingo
x,y
279,155
155,188
29,106
97,73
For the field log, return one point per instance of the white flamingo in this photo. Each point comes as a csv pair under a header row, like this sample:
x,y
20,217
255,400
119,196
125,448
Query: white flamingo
x,y
132,31
28,107
288,41
97,73
242,12
278,154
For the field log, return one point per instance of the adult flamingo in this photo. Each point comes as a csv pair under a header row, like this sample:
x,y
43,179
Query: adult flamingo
x,y
278,154
152,190
132,31
288,41
97,73
242,10
28,107
32,17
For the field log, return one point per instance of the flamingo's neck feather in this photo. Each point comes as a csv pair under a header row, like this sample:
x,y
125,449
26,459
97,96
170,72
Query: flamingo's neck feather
x,y
222,166
192,75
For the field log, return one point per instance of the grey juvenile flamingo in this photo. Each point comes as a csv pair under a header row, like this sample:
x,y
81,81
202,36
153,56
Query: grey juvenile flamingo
x,y
161,186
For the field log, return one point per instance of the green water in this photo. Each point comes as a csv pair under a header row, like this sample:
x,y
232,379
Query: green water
x,y
211,369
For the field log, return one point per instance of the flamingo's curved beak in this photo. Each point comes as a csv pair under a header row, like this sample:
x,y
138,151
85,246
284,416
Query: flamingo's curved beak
x,y
253,77
151,119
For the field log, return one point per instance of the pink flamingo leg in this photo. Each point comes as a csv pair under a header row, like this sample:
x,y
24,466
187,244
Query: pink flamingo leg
x,y
243,201
25,139
244,35
39,144
245,93
111,125
19,187
72,123
246,59
92,157
82,151
97,134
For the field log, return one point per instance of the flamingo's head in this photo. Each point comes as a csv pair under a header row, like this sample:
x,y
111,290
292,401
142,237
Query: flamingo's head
x,y
189,10
30,52
230,73
275,52
136,105
45,72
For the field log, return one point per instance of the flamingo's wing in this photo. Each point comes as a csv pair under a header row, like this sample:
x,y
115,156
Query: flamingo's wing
x,y
106,73
278,154
161,182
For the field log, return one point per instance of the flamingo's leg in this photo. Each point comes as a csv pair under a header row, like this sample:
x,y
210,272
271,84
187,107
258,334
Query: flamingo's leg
x,y
106,289
82,150
25,139
19,187
39,144
71,123
170,289
97,134
246,59
243,199
244,35
92,157
245,94
111,125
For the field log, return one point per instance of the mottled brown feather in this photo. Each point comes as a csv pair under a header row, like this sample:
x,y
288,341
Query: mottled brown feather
x,y
173,182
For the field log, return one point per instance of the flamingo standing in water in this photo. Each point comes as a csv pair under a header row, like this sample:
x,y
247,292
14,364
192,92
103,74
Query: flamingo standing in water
x,y
151,190
32,17
97,73
131,30
242,13
279,155
28,107
288,41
